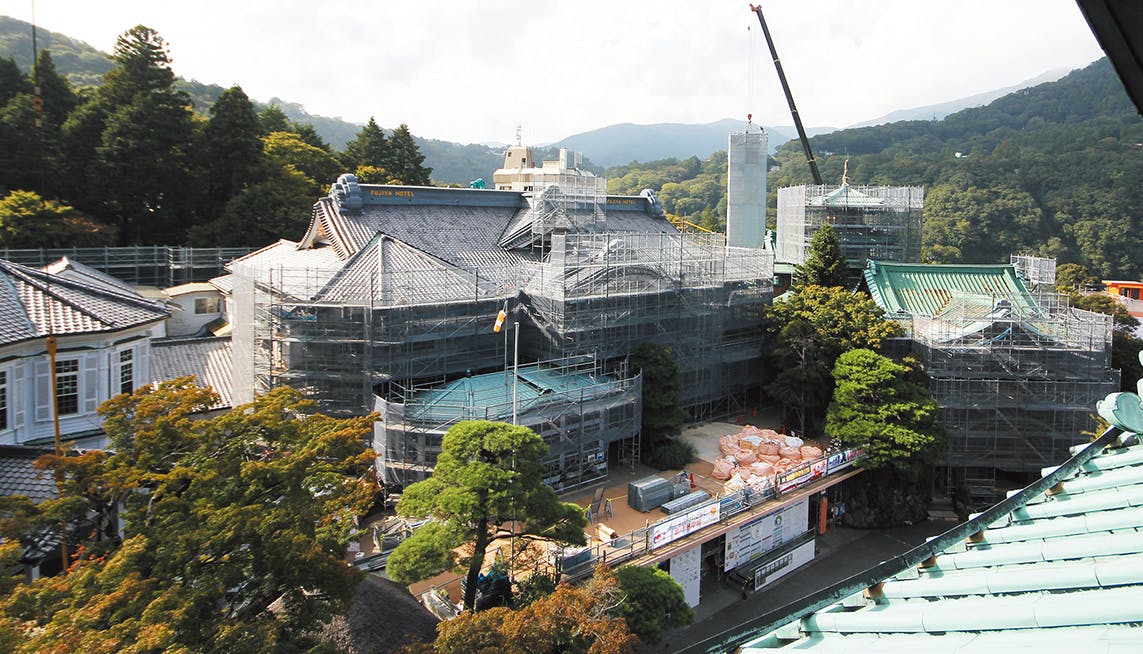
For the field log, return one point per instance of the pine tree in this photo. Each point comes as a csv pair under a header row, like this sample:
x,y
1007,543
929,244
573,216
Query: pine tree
x,y
368,148
408,162
825,262
272,119
12,81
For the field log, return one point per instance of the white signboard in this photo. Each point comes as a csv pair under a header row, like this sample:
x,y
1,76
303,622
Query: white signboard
x,y
675,528
753,539
686,569
784,564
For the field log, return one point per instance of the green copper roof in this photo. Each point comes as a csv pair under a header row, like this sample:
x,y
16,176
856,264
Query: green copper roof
x,y
847,196
915,289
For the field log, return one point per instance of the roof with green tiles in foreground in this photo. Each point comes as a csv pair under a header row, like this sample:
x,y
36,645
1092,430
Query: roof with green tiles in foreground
x,y
915,289
1058,567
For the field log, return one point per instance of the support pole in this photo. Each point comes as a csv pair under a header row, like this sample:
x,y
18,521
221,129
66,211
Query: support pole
x,y
52,344
515,369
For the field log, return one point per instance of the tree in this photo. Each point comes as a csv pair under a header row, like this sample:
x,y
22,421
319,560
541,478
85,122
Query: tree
x,y
804,333
12,81
319,166
29,221
407,160
662,418
571,620
825,263
224,516
57,94
260,214
140,166
368,148
653,602
879,407
1071,278
488,479
272,119
230,151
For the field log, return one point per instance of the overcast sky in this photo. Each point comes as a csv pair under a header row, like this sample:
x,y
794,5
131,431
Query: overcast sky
x,y
471,71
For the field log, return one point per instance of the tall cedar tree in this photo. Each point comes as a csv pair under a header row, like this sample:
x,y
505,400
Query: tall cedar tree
x,y
142,162
230,156
224,516
488,479
662,417
368,148
825,263
56,92
407,160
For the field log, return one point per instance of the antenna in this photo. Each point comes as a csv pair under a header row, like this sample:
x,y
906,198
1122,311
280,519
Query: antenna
x,y
519,129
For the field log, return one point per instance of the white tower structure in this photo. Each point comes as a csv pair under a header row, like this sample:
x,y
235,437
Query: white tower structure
x,y
746,187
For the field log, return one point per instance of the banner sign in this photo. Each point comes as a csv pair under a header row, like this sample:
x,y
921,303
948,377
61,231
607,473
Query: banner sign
x,y
753,539
674,528
784,565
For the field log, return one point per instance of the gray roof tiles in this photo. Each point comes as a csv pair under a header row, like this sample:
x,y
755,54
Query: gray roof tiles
x,y
207,359
34,303
18,477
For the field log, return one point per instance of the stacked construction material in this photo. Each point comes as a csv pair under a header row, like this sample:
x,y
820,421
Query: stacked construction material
x,y
648,493
685,502
754,456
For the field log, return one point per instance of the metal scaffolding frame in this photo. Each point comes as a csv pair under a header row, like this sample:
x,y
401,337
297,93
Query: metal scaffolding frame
x,y
146,265
885,228
346,334
1014,385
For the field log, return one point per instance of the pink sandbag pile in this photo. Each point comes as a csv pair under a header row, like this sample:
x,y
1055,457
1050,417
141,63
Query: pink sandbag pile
x,y
753,456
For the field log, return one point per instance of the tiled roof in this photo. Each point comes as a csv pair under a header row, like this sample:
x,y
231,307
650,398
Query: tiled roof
x,y
18,477
208,359
1057,566
224,283
32,302
928,290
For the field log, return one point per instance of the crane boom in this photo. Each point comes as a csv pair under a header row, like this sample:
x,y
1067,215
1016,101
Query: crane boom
x,y
757,9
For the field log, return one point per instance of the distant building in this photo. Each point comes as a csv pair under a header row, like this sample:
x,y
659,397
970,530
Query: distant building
x,y
195,306
1127,293
390,298
104,331
874,223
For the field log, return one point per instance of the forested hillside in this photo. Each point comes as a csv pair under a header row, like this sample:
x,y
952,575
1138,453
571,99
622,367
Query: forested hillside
x,y
1054,170
131,162
84,66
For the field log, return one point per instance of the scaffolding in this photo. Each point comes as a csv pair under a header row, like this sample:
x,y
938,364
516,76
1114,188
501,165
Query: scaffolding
x,y
880,223
577,409
382,325
145,265
1015,383
1039,272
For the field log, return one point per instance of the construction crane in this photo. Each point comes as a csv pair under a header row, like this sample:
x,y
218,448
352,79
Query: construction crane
x,y
757,9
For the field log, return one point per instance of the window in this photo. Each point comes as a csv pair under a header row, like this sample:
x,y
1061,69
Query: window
x,y
3,399
126,371
206,305
67,387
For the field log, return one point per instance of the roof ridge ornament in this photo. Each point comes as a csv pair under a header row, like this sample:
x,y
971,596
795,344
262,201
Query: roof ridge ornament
x,y
1124,410
347,193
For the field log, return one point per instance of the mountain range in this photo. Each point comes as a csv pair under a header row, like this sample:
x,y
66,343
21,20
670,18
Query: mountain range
x,y
460,163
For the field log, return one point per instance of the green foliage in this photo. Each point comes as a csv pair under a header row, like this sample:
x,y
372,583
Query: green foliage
x,y
653,602
825,261
488,476
1072,278
673,454
288,149
29,221
368,148
427,552
877,407
56,92
407,162
223,516
230,151
264,212
804,333
690,189
662,418
81,64
533,587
